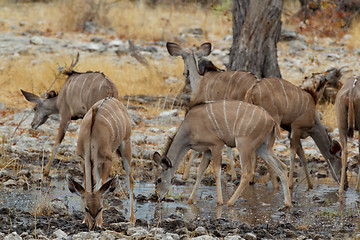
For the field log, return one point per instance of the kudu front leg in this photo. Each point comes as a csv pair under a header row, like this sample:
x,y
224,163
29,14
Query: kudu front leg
x,y
200,174
188,165
217,161
125,153
60,136
294,143
358,179
343,141
304,162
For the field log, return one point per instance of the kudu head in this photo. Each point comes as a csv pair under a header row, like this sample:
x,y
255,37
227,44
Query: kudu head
x,y
191,59
93,201
45,106
335,162
163,175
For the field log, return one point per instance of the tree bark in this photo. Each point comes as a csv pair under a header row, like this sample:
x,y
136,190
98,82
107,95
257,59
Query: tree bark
x,y
256,31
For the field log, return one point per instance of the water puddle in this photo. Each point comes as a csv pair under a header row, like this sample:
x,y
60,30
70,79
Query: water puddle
x,y
258,205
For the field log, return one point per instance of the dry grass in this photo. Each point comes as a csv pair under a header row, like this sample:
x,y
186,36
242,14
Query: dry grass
x,y
328,114
354,33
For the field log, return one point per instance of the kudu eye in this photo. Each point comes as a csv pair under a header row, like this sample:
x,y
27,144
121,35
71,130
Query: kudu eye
x,y
186,73
34,109
158,181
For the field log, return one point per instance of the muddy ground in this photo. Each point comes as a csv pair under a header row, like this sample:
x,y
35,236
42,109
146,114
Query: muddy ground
x,y
33,207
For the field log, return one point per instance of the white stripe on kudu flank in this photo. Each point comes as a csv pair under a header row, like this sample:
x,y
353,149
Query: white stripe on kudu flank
x,y
242,120
72,83
123,119
248,123
209,115
105,78
228,85
236,119
89,89
253,123
82,87
286,97
271,93
107,120
115,118
225,117
216,122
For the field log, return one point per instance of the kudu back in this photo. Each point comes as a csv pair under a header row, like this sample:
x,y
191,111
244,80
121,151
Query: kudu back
x,y
294,109
347,108
79,92
206,128
106,128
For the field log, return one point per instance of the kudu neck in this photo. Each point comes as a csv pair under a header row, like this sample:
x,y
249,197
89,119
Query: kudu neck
x,y
194,74
178,148
52,105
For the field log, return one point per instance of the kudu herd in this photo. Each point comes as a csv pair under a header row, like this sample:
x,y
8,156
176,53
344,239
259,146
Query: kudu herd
x,y
232,108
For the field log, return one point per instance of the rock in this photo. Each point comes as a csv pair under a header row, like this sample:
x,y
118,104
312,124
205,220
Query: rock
x,y
122,226
204,237
235,237
107,236
59,234
200,231
24,172
137,232
10,183
36,40
321,174
170,113
5,174
85,235
157,230
12,236
332,57
58,207
250,236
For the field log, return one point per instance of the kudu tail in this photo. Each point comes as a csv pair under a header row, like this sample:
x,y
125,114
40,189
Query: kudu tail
x,y
350,117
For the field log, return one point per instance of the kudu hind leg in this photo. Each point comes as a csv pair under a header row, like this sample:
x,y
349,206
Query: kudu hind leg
x,y
294,143
60,136
200,174
125,152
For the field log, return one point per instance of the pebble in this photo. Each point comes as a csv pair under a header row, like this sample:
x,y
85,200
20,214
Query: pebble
x,y
59,234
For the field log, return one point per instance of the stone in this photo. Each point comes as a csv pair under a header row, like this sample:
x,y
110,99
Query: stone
x,y
137,232
170,113
234,237
36,40
250,236
85,235
58,207
59,234
204,237
12,236
10,183
200,231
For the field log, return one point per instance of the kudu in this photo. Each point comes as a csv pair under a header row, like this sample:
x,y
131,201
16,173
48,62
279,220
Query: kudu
x,y
106,128
79,92
206,128
209,83
347,106
294,109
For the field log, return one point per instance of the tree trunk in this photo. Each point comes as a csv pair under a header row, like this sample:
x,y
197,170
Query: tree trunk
x,y
256,31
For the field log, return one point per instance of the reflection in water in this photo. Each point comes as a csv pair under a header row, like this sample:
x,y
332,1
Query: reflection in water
x,y
258,205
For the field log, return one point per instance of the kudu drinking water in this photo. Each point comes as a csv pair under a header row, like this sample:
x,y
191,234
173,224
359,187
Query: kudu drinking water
x,y
106,128
294,109
209,83
347,108
206,128
79,92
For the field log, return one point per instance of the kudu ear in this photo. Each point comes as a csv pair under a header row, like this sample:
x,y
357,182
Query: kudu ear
x,y
157,158
30,96
75,187
335,147
165,163
174,49
204,50
109,186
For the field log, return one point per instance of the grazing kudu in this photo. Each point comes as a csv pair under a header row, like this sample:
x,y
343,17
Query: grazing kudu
x,y
106,128
347,105
294,109
206,128
209,83
79,92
